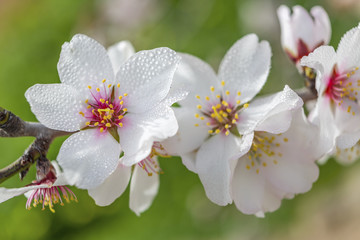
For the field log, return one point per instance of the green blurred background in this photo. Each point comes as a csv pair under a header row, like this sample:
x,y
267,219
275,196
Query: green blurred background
x,y
31,35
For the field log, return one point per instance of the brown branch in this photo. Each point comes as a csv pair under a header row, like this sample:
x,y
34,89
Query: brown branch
x,y
13,126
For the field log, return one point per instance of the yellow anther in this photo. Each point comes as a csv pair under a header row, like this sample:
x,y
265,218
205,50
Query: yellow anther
x,y
236,116
239,93
98,89
198,106
125,94
197,115
125,109
286,140
246,105
87,100
121,117
122,102
233,121
102,121
202,118
224,103
95,124
121,124
88,106
222,83
227,126
197,96
120,97
82,114
87,123
102,100
218,106
247,167
109,86
257,171
107,102
228,110
218,96
196,124
210,131
101,129
349,109
208,123
118,85
108,125
264,164
89,87
217,131
275,162
278,144
111,106
104,80
227,133
207,98
227,92
225,115
252,163
238,102
212,88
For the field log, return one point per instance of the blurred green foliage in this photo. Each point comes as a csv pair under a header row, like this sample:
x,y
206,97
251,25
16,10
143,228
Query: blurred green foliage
x,y
31,35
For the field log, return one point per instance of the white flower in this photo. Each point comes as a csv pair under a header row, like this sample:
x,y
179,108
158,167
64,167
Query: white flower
x,y
143,187
337,112
111,118
275,166
48,191
215,114
302,33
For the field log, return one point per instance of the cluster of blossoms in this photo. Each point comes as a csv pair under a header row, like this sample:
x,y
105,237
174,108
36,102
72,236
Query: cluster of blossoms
x,y
125,109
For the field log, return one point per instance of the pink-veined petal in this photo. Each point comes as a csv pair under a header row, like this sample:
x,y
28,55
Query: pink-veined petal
x,y
143,189
113,187
88,158
146,78
245,67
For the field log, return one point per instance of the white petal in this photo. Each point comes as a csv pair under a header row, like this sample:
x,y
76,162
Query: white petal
x,y
349,155
8,193
252,194
113,187
287,37
57,106
245,66
322,26
348,51
83,62
142,129
262,113
197,76
143,189
146,78
347,140
189,160
119,53
213,164
347,116
323,60
88,158
188,137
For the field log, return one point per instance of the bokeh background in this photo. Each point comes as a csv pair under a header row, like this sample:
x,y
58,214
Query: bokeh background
x,y
31,35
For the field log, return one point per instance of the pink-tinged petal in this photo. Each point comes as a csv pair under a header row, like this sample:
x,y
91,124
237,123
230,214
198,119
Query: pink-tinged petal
x,y
213,164
349,155
251,192
287,37
348,51
245,66
146,78
142,129
8,193
83,62
261,115
88,158
57,106
112,188
119,53
143,189
322,60
188,137
195,75
322,25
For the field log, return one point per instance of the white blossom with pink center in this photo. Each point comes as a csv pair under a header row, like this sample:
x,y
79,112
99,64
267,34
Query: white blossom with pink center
x,y
120,105
337,111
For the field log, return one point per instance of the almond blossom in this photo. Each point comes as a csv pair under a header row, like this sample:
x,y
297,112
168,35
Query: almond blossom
x,y
117,106
337,111
47,191
301,33
216,120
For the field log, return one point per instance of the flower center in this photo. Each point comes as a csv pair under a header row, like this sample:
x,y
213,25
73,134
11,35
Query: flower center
x,y
265,150
342,87
50,196
106,109
149,164
219,112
